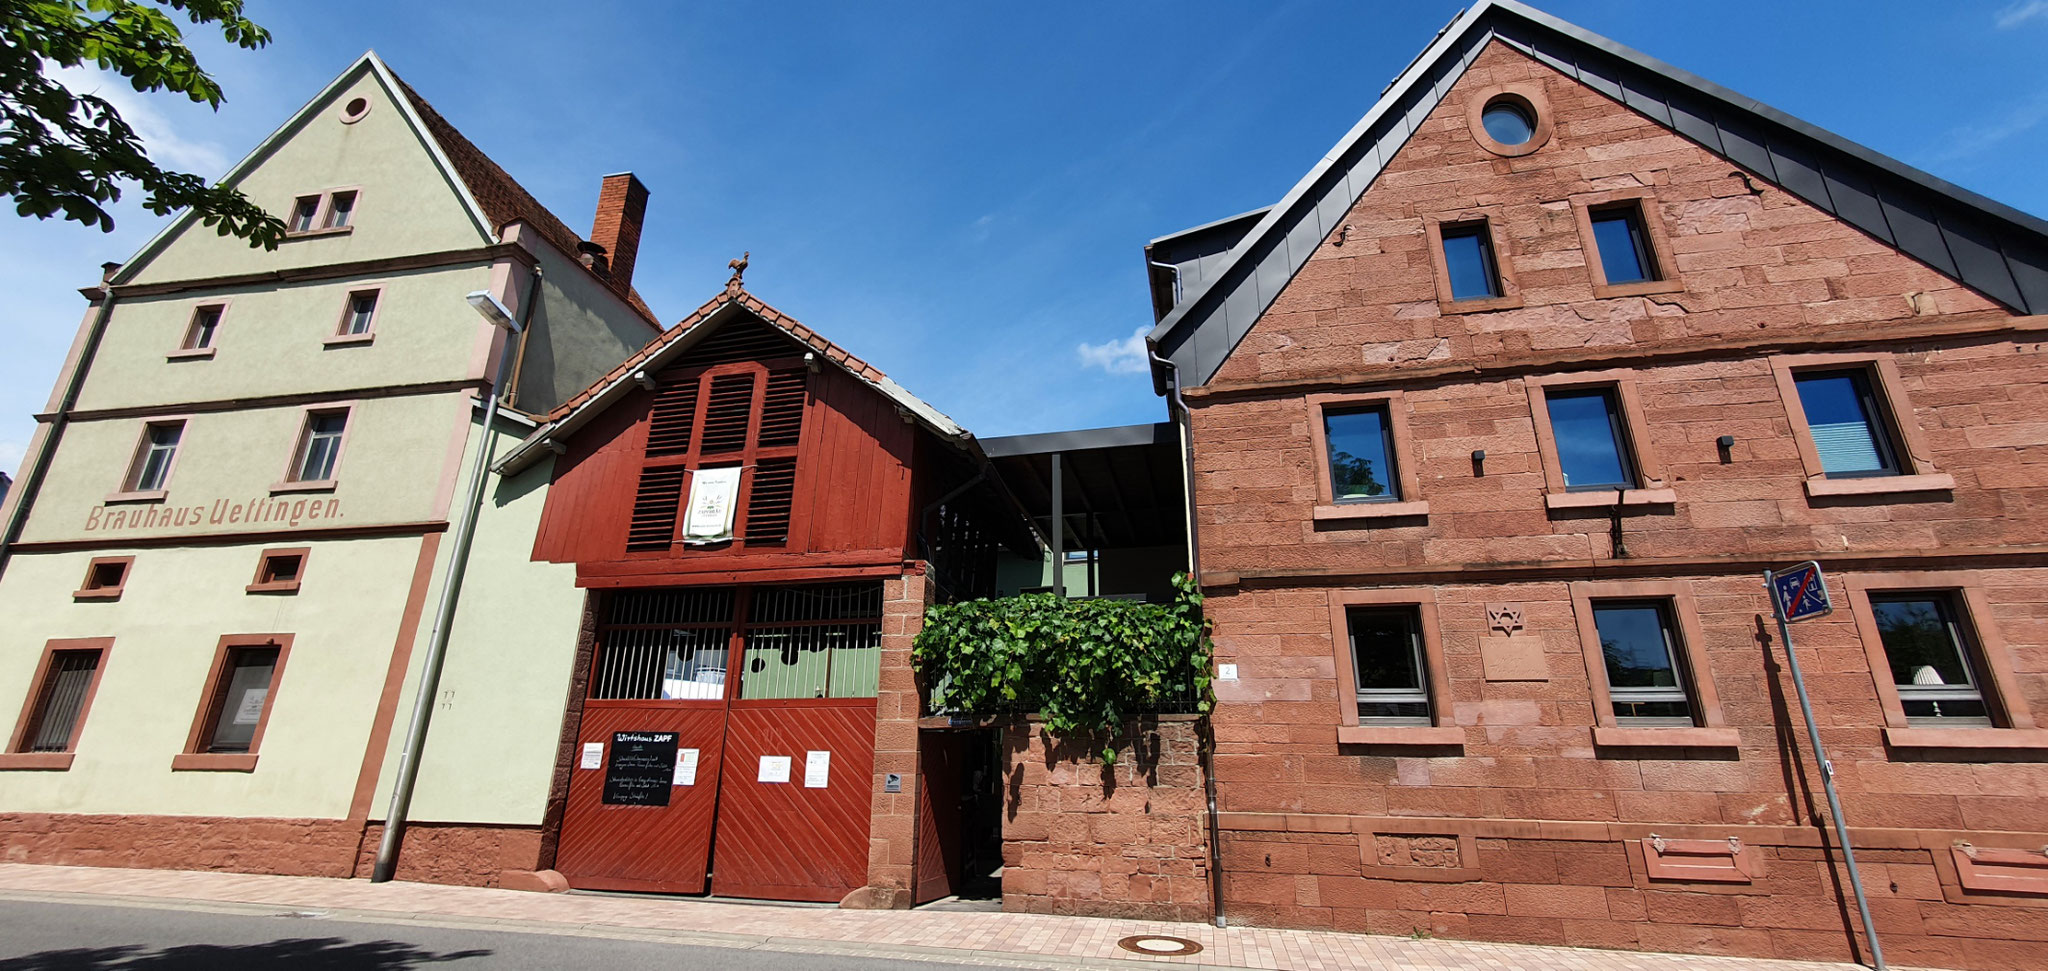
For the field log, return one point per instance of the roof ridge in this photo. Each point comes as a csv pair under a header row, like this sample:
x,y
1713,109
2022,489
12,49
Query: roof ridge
x,y
501,197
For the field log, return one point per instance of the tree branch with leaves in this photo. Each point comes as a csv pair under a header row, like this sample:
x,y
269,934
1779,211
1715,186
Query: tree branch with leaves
x,y
69,154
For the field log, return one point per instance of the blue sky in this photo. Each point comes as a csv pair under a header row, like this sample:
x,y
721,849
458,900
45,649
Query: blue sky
x,y
960,192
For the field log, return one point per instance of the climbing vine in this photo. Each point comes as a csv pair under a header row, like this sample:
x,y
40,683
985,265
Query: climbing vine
x,y
1085,665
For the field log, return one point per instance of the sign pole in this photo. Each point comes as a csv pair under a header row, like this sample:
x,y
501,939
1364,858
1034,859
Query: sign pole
x,y
1827,770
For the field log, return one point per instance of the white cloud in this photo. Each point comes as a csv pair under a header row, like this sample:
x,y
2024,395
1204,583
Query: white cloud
x,y
2021,12
160,137
1126,356
1965,141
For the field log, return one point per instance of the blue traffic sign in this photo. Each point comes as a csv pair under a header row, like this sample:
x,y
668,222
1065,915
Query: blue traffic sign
x,y
1801,592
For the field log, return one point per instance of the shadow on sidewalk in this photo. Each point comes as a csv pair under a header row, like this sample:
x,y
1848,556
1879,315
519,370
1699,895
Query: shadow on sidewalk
x,y
301,954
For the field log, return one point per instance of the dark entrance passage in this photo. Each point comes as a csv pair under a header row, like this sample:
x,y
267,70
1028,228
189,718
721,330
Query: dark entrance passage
x,y
727,743
959,814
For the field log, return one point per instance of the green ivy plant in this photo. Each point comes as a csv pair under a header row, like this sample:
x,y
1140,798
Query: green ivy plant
x,y
1084,665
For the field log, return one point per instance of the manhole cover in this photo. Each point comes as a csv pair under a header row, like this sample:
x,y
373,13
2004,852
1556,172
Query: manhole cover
x,y
1158,944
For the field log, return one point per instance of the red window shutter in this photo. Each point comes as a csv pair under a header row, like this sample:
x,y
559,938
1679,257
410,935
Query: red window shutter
x,y
675,410
727,413
782,408
768,505
654,510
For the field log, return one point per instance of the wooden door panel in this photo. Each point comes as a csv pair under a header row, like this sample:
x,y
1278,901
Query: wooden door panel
x,y
647,848
782,840
941,822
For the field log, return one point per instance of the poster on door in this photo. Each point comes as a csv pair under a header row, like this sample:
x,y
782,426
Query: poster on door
x,y
686,767
640,769
713,494
774,768
817,769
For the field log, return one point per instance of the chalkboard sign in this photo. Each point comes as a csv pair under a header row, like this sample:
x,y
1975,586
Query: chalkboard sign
x,y
642,766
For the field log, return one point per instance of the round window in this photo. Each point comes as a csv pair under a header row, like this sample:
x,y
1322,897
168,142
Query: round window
x,y
354,110
1508,123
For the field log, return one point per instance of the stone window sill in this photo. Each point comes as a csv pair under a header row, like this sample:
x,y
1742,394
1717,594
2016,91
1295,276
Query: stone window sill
x,y
315,233
213,762
347,340
38,761
1615,736
1967,738
1370,510
1599,498
190,354
1478,305
104,593
1400,735
320,485
1880,485
287,586
151,495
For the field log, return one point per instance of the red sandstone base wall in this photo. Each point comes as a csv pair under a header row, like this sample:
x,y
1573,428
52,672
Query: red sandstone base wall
x,y
1565,883
1122,840
451,853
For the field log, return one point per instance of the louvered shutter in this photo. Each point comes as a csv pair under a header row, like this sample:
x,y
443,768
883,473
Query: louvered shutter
x,y
768,505
728,410
669,424
654,510
782,408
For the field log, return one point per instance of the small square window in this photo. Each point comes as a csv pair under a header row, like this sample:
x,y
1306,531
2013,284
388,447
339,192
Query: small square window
x,y
361,313
1930,659
1640,647
105,578
1390,674
1623,244
205,323
1847,423
319,446
151,469
1469,259
341,208
1361,455
279,571
1586,424
239,699
58,707
304,211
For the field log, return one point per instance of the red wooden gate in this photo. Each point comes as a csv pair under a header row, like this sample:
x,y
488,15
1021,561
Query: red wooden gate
x,y
779,805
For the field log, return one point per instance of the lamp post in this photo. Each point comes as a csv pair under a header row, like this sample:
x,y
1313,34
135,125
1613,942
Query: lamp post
x,y
451,590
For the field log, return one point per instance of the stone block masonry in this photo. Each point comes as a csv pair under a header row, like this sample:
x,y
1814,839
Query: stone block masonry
x,y
1128,839
1525,812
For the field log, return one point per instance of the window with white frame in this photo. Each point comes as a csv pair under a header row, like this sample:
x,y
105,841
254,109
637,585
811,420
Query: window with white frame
x,y
1645,678
319,446
1389,670
360,314
1930,658
151,468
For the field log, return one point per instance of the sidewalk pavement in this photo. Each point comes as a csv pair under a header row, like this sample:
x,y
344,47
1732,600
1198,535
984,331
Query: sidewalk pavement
x,y
993,939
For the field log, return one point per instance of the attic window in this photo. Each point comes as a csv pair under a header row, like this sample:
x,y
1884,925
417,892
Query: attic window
x,y
355,110
1508,123
1509,119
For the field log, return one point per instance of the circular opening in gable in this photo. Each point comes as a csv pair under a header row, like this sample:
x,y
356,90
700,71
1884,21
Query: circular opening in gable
x,y
355,110
1509,119
1508,123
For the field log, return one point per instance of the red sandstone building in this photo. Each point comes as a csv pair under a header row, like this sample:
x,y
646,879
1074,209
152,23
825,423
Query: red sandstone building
x,y
1497,418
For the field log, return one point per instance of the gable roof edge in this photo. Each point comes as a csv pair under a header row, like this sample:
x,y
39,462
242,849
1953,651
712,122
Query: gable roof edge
x,y
368,62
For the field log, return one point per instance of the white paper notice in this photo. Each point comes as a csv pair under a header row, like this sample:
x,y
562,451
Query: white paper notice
x,y
817,768
250,711
686,767
774,768
712,497
593,755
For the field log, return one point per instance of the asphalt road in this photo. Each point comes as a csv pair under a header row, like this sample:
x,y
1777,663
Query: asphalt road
x,y
39,936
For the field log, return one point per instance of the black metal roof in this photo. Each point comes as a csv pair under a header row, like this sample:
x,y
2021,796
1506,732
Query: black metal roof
x,y
1989,246
1121,487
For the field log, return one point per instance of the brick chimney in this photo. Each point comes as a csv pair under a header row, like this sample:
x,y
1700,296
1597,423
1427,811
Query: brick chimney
x,y
621,205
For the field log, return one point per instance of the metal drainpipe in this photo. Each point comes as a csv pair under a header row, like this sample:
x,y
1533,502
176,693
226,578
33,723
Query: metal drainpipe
x,y
444,615
1185,422
32,483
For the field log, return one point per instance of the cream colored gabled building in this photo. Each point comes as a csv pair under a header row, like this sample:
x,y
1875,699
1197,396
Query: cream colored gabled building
x,y
221,559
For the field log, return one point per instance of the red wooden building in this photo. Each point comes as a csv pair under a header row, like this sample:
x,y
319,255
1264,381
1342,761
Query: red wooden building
x,y
759,519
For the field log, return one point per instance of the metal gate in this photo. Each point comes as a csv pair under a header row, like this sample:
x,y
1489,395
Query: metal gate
x,y
727,742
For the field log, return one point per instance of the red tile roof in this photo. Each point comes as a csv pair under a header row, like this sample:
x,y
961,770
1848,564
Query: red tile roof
x,y
731,295
502,198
